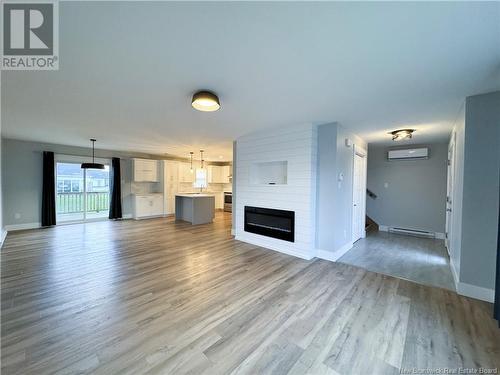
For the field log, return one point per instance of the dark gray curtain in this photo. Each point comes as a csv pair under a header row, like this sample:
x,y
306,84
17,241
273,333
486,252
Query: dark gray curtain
x,y
115,207
48,190
496,310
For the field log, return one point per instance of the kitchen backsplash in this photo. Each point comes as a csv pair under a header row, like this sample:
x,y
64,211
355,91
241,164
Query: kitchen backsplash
x,y
146,187
187,187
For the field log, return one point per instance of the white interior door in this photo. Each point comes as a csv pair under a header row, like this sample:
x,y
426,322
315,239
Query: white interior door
x,y
358,197
449,193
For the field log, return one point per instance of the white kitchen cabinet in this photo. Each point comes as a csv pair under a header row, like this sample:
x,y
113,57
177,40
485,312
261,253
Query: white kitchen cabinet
x,y
218,174
171,185
185,174
145,170
226,174
219,200
148,205
214,174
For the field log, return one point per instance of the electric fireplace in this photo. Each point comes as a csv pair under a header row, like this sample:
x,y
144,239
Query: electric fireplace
x,y
270,222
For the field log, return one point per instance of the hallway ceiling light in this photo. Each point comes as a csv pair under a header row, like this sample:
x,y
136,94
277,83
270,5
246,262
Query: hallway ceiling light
x,y
205,101
399,135
92,165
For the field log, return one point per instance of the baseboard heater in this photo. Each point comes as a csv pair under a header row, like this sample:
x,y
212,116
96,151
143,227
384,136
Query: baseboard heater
x,y
412,232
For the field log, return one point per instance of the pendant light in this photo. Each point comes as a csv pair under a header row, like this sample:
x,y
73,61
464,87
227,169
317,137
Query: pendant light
x,y
191,154
92,165
201,157
205,101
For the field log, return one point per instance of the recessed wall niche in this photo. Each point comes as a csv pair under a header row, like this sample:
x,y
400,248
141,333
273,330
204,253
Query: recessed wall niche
x,y
269,173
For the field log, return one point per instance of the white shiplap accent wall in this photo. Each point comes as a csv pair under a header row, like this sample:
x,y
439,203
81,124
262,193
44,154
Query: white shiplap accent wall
x,y
298,146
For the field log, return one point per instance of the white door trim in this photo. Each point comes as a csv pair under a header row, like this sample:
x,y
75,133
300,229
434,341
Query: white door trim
x,y
355,235
360,151
450,182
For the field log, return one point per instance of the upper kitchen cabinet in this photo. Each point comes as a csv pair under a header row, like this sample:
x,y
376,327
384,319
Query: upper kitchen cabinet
x,y
214,174
185,173
219,174
145,170
227,174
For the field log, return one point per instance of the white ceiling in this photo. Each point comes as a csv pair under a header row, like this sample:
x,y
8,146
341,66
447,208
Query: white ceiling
x,y
127,71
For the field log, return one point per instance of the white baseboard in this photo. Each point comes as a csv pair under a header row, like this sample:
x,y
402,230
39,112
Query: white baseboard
x,y
439,235
477,292
469,290
334,255
263,244
148,217
127,216
3,234
233,232
454,273
13,227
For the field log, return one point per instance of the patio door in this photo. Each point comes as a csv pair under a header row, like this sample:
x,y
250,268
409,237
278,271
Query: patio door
x,y
81,194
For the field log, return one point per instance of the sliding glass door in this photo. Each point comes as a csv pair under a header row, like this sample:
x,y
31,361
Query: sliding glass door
x,y
81,194
97,193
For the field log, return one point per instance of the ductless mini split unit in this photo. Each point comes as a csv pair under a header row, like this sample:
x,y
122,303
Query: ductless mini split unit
x,y
408,153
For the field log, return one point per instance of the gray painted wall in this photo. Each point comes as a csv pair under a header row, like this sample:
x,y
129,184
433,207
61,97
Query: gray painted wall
x,y
415,196
22,177
480,190
334,200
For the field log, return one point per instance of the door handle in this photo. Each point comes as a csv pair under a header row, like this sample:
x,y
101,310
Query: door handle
x,y
448,209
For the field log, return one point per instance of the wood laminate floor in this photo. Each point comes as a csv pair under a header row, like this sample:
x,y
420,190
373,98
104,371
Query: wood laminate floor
x,y
160,297
423,260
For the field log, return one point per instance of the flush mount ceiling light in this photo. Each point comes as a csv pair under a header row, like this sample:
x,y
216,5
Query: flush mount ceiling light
x,y
92,165
399,135
205,101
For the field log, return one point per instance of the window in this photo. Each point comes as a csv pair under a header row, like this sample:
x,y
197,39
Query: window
x,y
200,178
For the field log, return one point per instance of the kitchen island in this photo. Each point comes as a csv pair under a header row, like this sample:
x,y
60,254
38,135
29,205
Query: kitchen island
x,y
195,208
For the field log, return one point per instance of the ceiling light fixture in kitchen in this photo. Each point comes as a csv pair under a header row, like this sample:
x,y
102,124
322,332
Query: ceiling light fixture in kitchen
x,y
399,135
191,155
201,158
205,101
92,165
